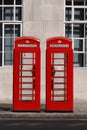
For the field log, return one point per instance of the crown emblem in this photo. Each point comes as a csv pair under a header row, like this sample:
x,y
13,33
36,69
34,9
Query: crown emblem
x,y
59,41
27,41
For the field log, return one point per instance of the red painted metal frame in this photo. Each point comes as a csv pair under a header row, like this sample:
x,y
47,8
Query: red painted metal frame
x,y
59,105
33,105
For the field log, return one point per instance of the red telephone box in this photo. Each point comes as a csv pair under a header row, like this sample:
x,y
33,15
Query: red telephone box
x,y
59,74
26,74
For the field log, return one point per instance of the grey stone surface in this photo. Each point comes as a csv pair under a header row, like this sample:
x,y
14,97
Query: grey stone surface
x,y
79,112
6,84
33,28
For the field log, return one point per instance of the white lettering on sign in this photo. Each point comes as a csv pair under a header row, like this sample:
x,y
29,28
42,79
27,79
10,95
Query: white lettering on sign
x,y
60,45
27,45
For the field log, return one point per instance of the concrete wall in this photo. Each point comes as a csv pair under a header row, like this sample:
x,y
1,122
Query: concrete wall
x,y
43,19
6,84
80,83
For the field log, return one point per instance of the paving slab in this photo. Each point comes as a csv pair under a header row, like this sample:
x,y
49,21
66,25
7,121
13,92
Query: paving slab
x,y
79,112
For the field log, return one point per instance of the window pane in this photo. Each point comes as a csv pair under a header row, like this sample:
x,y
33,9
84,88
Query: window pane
x,y
8,2
0,59
17,30
86,45
0,13
78,45
8,62
78,60
18,2
68,2
78,14
9,31
8,44
78,30
86,59
68,14
9,41
0,44
0,29
86,30
8,13
8,48
78,2
8,58
18,13
85,14
68,31
0,2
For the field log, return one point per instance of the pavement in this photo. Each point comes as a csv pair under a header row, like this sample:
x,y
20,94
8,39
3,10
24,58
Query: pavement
x,y
79,112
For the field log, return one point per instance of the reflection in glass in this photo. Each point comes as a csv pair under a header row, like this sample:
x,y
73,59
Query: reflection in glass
x,y
86,30
8,58
85,14
0,44
8,48
8,2
78,60
78,45
86,45
9,31
78,2
68,30
86,59
0,59
8,44
18,13
0,2
0,29
78,14
8,13
9,41
18,2
0,13
68,14
17,30
68,2
78,30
